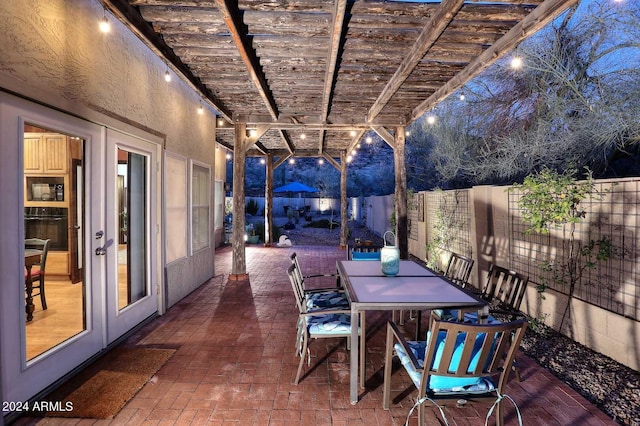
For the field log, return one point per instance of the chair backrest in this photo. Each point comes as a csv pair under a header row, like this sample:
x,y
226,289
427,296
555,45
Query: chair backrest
x,y
42,245
363,253
505,287
459,269
297,270
296,285
471,351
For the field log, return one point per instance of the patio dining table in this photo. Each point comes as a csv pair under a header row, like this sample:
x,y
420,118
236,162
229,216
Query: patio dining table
x,y
414,287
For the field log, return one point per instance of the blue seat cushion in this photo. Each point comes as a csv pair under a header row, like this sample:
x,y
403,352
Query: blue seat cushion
x,y
365,255
469,317
329,324
443,384
326,300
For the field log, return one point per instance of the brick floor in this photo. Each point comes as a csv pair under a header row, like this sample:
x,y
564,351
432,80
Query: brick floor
x,y
235,363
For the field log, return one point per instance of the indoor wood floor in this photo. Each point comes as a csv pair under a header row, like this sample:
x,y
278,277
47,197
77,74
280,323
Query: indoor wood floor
x,y
64,316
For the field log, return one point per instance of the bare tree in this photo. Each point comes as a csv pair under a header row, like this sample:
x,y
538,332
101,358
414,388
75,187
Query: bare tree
x,y
575,103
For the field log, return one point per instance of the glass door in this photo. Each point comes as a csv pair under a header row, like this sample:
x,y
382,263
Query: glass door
x,y
131,232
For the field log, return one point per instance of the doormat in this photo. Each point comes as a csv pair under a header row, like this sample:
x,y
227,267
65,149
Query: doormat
x,y
102,389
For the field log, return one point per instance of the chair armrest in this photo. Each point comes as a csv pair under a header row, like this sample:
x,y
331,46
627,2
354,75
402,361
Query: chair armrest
x,y
319,275
393,328
324,290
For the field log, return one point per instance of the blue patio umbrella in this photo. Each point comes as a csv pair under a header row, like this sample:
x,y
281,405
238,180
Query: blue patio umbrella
x,y
296,187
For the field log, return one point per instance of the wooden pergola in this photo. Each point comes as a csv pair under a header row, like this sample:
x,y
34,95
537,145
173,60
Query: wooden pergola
x,y
330,70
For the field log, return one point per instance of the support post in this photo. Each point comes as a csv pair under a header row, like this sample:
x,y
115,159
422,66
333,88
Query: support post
x,y
343,200
268,203
239,263
401,193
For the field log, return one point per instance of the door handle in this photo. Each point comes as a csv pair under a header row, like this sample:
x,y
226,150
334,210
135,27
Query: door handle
x,y
99,235
101,251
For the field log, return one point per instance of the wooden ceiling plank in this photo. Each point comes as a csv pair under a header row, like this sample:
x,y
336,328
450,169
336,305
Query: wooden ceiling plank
x,y
434,28
533,22
233,20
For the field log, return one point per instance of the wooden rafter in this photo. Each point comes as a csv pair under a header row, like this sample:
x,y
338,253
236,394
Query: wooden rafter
x,y
229,11
434,28
533,22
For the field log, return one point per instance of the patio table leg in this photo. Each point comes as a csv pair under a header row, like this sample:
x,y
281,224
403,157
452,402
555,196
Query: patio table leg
x,y
353,375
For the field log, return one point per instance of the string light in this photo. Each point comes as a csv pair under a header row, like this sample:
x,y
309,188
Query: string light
x,y
462,97
303,136
263,161
349,158
407,133
253,132
228,156
431,119
220,122
352,133
167,76
516,62
200,110
104,24
321,161
369,139
292,160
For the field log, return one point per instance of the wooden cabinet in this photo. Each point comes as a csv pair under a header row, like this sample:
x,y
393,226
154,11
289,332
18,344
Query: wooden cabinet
x,y
45,153
46,184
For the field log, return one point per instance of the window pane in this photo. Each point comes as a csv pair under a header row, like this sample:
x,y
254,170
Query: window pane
x,y
200,178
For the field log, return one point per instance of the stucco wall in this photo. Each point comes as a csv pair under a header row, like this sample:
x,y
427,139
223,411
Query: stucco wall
x,y
53,53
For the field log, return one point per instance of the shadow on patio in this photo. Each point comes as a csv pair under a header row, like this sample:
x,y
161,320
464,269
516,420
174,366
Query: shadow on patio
x,y
235,362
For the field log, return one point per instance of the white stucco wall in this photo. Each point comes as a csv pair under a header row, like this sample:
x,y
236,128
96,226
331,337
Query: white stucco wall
x,y
53,52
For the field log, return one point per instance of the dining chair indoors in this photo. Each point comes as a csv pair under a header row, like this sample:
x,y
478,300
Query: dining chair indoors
x,y
457,362
317,324
38,269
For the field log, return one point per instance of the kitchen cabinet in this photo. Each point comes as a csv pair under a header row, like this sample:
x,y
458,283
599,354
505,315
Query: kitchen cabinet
x,y
45,153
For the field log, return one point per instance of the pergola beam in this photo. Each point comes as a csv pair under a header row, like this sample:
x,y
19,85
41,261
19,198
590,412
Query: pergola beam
x,y
541,16
429,35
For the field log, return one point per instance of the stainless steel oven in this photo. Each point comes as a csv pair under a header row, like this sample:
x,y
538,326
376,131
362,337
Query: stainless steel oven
x,y
48,223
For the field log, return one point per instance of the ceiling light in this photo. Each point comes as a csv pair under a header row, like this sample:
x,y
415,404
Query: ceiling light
x,y
253,132
303,136
352,133
220,122
104,25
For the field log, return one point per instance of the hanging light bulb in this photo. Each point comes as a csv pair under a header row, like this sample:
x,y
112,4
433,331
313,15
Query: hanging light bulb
x,y
349,158
431,119
369,139
263,161
516,62
167,76
228,156
407,133
220,122
292,160
462,97
200,110
352,133
104,24
321,161
303,136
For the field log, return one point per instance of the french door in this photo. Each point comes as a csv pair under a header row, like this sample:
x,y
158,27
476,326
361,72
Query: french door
x,y
102,272
131,232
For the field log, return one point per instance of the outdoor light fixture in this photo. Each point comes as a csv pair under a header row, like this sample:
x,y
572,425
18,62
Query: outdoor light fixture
x,y
263,161
349,158
359,146
407,133
321,161
200,110
228,156
369,139
292,160
462,96
104,25
303,136
431,119
220,122
516,62
354,152
167,76
253,132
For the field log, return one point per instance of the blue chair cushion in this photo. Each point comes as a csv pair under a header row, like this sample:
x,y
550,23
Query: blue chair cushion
x,y
469,317
365,255
329,324
326,300
443,384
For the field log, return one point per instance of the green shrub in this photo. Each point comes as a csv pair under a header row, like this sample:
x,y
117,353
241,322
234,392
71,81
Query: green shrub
x,y
252,207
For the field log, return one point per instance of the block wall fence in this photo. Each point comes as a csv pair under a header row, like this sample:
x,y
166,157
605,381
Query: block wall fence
x,y
485,222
